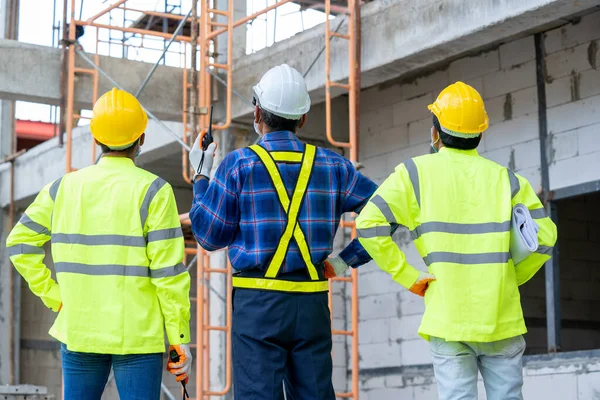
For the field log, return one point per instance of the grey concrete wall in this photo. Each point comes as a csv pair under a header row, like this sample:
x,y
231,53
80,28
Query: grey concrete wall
x,y
32,73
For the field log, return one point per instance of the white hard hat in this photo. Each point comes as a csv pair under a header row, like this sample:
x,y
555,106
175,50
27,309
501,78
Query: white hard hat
x,y
282,91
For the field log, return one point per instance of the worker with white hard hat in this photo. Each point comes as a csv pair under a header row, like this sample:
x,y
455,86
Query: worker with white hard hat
x,y
117,248
458,207
277,205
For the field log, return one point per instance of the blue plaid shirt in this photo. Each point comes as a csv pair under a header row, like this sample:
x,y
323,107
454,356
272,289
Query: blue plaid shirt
x,y
240,207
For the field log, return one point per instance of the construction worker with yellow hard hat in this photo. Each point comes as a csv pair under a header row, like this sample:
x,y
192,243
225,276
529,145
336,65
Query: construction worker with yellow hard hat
x,y
458,207
117,249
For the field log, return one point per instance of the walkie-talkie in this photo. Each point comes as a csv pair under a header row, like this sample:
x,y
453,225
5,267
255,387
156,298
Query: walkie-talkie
x,y
174,357
207,139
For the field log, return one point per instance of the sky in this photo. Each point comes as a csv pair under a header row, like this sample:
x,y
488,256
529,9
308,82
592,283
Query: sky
x,y
36,27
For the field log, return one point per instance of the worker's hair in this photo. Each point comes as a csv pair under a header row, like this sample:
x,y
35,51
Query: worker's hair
x,y
106,149
454,142
277,124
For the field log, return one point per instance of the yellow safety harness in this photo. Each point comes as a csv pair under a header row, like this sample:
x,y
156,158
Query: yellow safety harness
x,y
292,228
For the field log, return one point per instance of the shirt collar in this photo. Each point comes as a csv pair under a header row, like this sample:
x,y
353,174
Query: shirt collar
x,y
116,161
445,149
275,136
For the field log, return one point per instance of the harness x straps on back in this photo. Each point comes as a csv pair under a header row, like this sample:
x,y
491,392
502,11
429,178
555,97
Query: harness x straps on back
x,y
292,227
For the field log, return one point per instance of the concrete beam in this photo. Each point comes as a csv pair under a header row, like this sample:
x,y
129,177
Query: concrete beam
x,y
32,73
400,37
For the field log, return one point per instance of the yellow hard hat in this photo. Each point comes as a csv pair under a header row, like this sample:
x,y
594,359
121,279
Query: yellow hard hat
x,y
118,119
461,111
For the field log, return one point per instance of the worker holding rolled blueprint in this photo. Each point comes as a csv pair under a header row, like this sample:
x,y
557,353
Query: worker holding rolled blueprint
x,y
481,231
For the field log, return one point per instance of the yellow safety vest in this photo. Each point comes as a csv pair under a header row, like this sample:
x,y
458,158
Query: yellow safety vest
x,y
117,249
458,206
271,279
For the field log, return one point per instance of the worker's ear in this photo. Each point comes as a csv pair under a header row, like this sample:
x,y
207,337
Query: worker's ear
x,y
302,121
142,139
257,114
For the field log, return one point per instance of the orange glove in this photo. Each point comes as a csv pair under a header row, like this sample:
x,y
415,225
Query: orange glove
x,y
422,283
181,367
334,266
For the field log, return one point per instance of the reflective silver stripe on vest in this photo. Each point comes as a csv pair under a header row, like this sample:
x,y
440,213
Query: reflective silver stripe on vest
x,y
545,250
462,229
152,190
34,226
24,249
515,186
384,207
164,234
110,269
99,240
375,231
169,271
413,173
538,213
54,188
458,258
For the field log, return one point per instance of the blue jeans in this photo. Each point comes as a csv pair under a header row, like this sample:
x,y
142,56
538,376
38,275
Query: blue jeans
x,y
138,376
281,337
500,363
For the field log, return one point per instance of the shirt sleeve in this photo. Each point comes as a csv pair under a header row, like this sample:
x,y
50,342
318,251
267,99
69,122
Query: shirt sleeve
x,y
25,249
547,234
165,250
215,210
359,189
392,204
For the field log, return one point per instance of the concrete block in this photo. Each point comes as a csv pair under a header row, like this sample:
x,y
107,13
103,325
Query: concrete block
x,y
399,156
589,82
508,133
410,304
574,171
517,52
394,381
527,154
565,62
378,306
553,40
390,394
574,115
581,32
338,354
501,156
467,68
524,102
376,281
420,131
415,352
509,80
379,355
405,327
376,382
385,141
380,96
533,175
374,331
563,145
339,378
433,83
588,386
377,120
550,387
426,392
495,109
412,109
558,91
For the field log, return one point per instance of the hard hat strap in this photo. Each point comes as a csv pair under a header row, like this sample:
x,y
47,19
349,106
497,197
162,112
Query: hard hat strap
x,y
459,134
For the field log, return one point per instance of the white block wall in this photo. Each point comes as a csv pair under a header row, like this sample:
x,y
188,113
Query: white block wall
x,y
573,100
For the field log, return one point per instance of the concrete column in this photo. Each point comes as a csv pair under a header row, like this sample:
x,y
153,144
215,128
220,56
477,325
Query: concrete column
x,y
4,300
7,114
